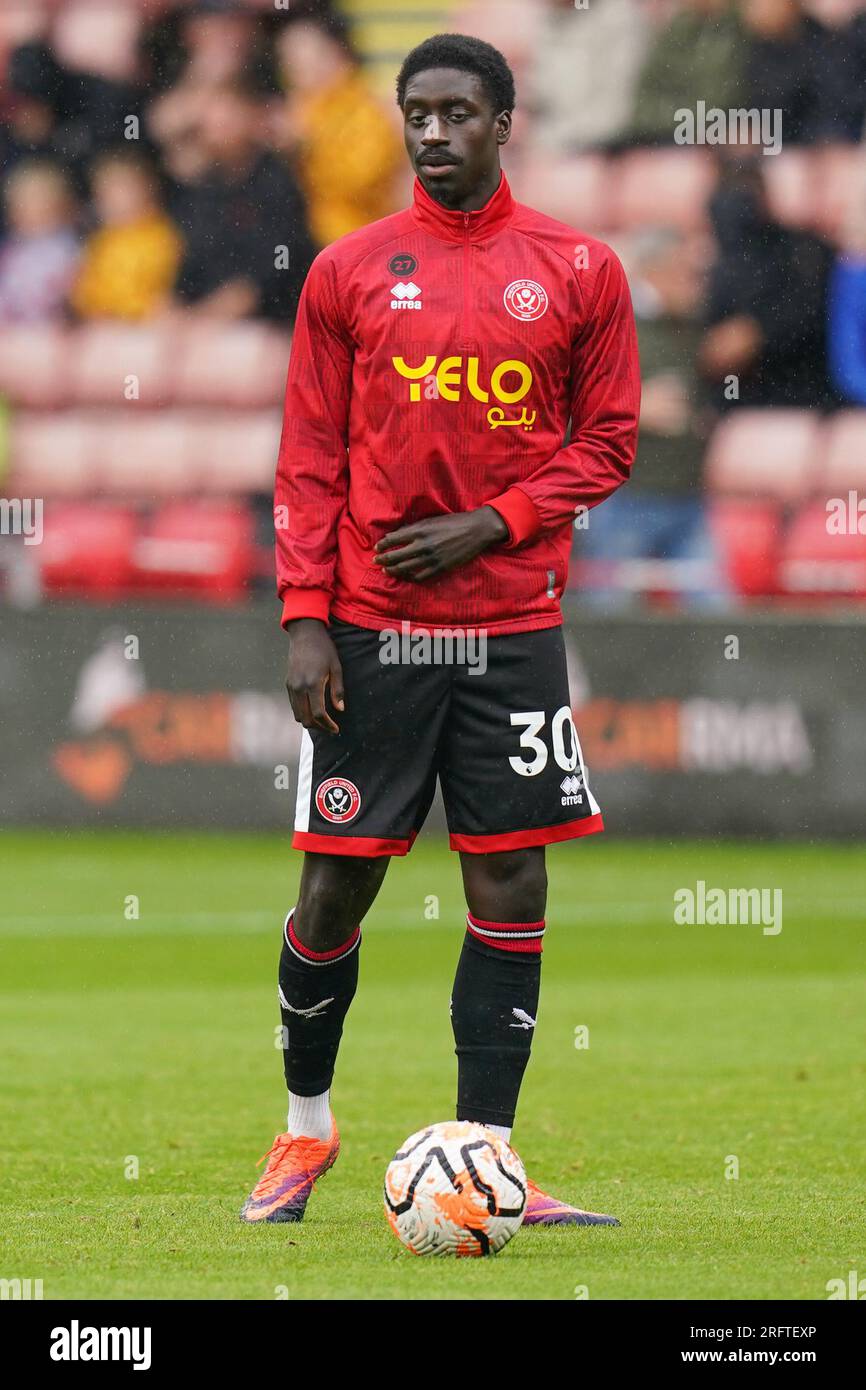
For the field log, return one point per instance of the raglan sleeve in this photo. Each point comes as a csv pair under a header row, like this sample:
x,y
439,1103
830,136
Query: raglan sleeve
x,y
312,480
605,406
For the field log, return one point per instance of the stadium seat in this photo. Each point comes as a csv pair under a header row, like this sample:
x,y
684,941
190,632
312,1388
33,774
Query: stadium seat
x,y
748,536
87,549
104,357
242,365
844,464
816,563
199,548
51,454
576,191
511,25
34,365
669,186
765,453
144,455
237,452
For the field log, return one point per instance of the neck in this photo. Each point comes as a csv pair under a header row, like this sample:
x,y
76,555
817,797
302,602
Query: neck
x,y
470,202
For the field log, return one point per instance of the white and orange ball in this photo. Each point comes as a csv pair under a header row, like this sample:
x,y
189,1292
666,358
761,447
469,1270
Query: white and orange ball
x,y
455,1189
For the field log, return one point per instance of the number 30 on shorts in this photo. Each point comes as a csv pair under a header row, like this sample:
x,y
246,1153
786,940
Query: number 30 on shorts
x,y
534,720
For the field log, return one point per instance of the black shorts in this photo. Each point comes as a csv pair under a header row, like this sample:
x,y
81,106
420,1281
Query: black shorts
x,y
494,726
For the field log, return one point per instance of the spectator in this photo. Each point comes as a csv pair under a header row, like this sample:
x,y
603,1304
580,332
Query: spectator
x,y
661,514
38,257
697,56
847,327
216,44
208,44
350,181
846,338
69,114
581,81
33,100
130,264
789,63
767,302
244,222
841,86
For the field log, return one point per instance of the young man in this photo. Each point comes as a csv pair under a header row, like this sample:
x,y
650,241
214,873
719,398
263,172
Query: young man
x,y
423,485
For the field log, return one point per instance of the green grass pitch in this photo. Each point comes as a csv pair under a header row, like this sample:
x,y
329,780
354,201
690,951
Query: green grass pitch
x,y
154,1040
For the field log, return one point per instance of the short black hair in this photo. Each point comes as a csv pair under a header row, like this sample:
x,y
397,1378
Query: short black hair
x,y
468,55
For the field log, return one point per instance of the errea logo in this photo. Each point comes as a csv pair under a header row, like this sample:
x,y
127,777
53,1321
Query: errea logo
x,y
571,788
405,296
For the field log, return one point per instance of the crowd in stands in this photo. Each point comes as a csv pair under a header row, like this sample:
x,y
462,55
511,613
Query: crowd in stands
x,y
172,166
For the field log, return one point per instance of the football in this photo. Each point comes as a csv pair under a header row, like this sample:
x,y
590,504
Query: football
x,y
455,1189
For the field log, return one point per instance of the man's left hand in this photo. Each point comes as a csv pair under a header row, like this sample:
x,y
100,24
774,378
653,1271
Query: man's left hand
x,y
439,543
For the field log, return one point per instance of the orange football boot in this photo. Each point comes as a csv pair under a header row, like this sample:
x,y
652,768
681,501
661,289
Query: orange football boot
x,y
542,1210
295,1162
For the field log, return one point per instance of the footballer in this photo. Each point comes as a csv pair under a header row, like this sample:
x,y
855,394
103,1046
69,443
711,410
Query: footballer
x,y
441,359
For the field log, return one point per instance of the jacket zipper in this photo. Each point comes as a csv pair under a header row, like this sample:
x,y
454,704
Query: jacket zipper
x,y
467,258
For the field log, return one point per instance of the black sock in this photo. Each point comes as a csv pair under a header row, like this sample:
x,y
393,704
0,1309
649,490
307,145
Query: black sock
x,y
493,1011
316,989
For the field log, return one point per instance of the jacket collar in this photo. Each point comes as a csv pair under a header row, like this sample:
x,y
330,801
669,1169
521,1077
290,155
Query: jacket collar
x,y
449,225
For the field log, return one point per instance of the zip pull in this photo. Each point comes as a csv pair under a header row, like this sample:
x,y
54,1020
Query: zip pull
x,y
551,592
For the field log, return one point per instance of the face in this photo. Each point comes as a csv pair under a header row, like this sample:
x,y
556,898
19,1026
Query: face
x,y
122,194
452,133
308,58
226,126
220,44
36,203
770,18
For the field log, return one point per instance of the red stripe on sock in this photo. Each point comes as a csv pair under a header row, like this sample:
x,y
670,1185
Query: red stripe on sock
x,y
508,936
319,956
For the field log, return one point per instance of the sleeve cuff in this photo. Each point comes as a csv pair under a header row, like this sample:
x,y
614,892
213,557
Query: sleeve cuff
x,y
519,513
305,603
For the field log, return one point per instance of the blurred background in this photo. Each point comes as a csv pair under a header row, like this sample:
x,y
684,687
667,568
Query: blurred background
x,y
170,167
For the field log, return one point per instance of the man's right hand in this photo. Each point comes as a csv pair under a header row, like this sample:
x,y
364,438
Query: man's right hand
x,y
313,664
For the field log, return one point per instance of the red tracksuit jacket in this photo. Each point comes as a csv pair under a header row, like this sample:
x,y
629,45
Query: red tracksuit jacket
x,y
437,359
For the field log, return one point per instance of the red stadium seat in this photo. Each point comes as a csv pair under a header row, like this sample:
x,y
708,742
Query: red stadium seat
x,y
844,464
142,456
237,452
34,365
52,455
87,549
512,25
576,191
196,548
748,536
818,563
667,186
108,361
242,365
765,453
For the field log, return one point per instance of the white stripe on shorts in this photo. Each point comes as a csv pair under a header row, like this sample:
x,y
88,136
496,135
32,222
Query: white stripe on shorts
x,y
305,783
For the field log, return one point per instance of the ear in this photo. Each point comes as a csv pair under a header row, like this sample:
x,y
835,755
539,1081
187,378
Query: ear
x,y
503,127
